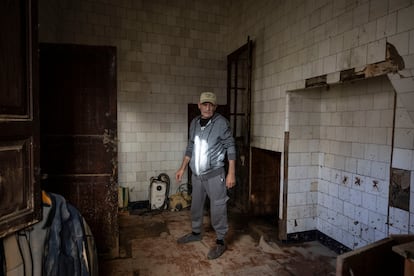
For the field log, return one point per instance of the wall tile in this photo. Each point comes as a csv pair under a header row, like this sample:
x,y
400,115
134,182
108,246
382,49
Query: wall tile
x,y
376,51
359,56
402,159
405,19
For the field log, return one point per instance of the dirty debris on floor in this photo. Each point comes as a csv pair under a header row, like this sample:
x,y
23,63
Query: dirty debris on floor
x,y
148,247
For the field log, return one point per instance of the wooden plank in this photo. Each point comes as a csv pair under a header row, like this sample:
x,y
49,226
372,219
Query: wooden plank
x,y
376,258
315,81
406,250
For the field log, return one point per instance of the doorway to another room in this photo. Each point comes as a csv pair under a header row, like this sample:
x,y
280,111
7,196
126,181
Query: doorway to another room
x,y
258,171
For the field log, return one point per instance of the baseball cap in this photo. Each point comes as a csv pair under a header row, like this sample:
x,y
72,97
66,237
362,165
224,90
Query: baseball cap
x,y
208,97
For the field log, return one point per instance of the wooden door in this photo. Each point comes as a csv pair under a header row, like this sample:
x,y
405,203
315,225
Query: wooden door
x,y
239,74
265,191
20,197
78,134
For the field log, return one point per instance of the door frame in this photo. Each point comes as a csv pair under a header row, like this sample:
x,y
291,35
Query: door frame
x,y
239,79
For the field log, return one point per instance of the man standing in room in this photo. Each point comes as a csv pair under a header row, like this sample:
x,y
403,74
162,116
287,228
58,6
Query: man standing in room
x,y
210,138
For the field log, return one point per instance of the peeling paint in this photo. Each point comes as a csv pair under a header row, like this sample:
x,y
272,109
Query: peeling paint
x,y
392,64
110,143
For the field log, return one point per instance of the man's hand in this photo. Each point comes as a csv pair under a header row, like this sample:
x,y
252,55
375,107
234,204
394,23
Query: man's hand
x,y
231,175
179,175
180,172
230,180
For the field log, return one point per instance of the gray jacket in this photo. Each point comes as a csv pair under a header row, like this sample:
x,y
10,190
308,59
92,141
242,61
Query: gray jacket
x,y
208,145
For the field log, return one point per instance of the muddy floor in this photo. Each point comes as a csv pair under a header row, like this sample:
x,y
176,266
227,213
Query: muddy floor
x,y
148,247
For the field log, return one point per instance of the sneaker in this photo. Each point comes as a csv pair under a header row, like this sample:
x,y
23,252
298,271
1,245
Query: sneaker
x,y
189,238
216,251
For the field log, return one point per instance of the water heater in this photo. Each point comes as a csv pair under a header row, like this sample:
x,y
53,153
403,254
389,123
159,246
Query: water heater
x,y
158,193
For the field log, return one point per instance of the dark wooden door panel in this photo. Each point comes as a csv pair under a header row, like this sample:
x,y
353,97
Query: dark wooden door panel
x,y
78,133
82,98
13,168
265,194
20,201
14,59
82,155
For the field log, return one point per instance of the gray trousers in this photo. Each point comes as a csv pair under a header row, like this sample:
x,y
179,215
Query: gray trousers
x,y
214,185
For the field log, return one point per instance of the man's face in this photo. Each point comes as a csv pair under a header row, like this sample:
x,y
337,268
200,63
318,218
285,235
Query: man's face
x,y
207,109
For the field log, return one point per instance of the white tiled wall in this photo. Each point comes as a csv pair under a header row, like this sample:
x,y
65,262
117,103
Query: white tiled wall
x,y
403,158
304,121
357,161
296,40
352,174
